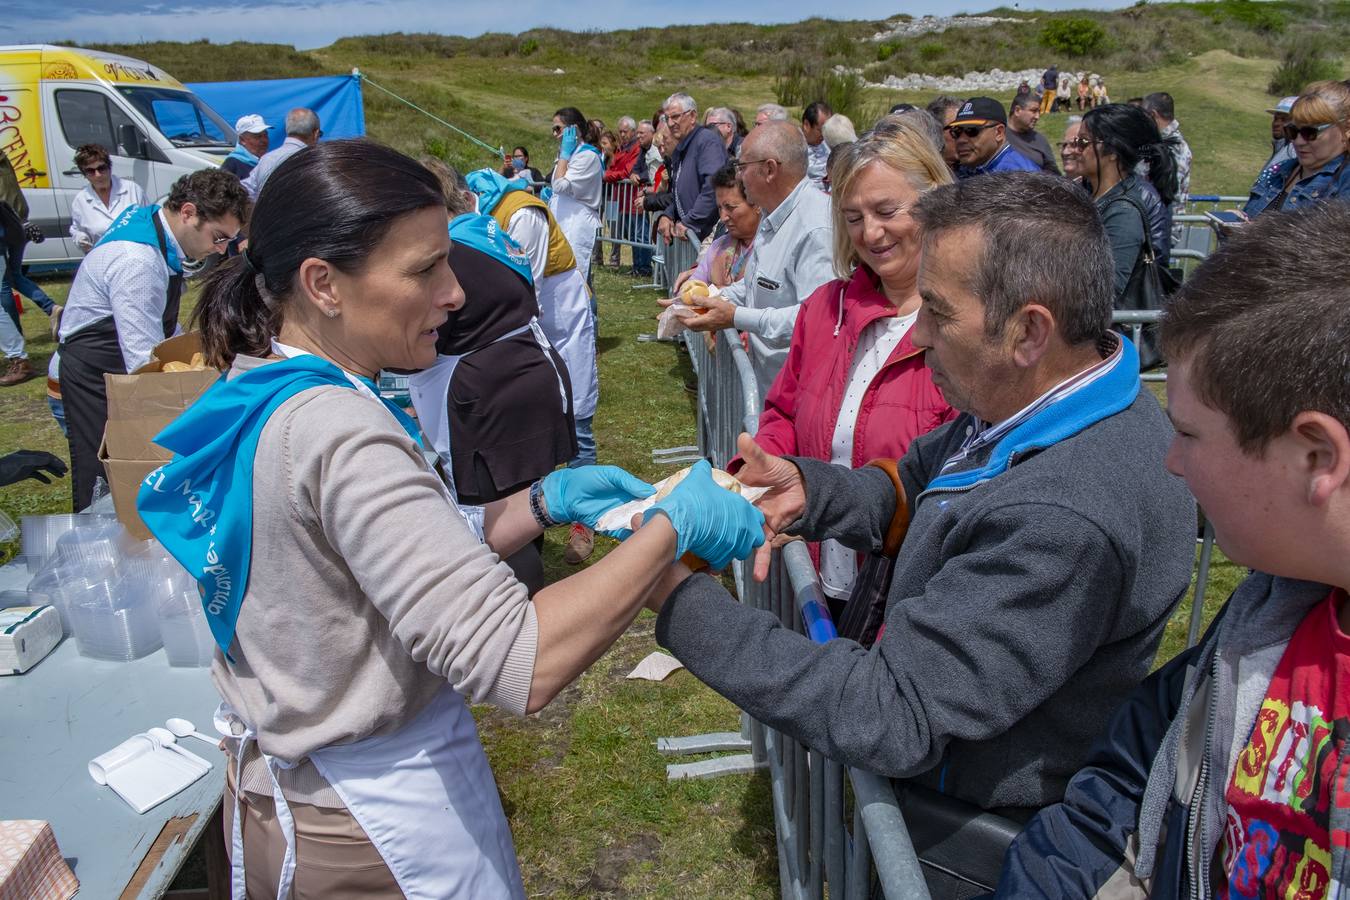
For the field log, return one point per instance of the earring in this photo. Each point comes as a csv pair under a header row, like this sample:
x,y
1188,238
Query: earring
x,y
331,312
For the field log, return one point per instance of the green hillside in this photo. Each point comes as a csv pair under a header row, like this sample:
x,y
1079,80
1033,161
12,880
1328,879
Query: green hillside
x,y
1216,58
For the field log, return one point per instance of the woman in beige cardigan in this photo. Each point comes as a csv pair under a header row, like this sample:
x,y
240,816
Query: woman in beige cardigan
x,y
369,600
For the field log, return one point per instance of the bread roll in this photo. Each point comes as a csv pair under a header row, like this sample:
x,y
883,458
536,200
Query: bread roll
x,y
724,479
693,291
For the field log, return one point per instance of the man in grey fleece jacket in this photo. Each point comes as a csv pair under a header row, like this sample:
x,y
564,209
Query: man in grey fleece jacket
x,y
1047,547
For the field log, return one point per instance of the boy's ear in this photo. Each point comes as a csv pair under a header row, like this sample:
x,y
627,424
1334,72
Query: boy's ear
x,y
1324,449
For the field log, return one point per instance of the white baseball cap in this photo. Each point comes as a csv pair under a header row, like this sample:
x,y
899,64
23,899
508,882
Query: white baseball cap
x,y
251,124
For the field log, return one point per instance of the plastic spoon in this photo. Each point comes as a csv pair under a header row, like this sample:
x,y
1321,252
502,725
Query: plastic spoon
x,y
169,741
184,728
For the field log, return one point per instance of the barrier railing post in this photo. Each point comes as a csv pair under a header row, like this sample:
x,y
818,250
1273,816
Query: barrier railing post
x,y
728,401
1201,584
878,822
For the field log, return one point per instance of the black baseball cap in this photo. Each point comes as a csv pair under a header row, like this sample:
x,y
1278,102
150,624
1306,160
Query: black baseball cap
x,y
978,111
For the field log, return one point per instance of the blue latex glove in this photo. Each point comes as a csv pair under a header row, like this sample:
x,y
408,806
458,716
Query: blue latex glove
x,y
710,521
570,140
585,494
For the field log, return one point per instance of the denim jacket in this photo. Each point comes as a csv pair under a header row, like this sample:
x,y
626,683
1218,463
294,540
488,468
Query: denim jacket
x,y
1332,180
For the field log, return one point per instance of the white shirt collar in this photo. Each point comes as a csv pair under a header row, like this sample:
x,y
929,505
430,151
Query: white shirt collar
x,y
169,238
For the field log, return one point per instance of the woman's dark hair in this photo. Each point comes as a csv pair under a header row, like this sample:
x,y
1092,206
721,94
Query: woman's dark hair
x,y
215,192
523,152
727,177
740,122
1131,135
570,115
335,202
88,154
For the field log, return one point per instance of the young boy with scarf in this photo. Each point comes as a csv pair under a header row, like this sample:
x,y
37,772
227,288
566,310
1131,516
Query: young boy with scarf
x,y
1226,774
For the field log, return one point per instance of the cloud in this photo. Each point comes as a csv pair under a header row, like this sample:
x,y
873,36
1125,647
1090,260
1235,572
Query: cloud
x,y
308,24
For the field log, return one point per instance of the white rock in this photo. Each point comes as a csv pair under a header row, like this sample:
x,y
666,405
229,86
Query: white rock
x,y
937,25
970,84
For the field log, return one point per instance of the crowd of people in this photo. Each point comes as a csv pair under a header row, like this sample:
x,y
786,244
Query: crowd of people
x,y
927,307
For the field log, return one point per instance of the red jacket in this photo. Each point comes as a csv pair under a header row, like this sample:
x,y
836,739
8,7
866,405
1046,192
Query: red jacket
x,y
618,171
803,405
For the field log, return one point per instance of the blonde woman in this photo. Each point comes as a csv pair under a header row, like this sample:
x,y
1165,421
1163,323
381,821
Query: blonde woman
x,y
1319,131
854,387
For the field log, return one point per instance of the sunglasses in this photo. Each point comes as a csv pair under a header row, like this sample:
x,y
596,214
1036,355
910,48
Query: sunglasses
x,y
96,170
557,129
969,131
1080,144
1309,133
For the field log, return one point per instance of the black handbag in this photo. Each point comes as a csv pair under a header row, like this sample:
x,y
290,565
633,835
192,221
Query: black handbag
x,y
865,611
1150,286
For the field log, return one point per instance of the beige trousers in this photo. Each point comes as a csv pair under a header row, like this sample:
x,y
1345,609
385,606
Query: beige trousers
x,y
334,858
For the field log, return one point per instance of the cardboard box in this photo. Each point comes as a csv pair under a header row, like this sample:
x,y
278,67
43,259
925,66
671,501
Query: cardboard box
x,y
124,482
140,405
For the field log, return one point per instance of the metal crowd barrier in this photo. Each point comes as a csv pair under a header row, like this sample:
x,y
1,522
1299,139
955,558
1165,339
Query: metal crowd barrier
x,y
623,226
728,403
1208,202
620,226
673,257
822,839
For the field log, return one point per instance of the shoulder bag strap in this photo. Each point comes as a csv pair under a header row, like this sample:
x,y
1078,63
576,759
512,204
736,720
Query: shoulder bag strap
x,y
895,532
1143,220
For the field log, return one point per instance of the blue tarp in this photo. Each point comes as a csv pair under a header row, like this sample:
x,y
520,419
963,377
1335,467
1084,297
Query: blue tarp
x,y
337,100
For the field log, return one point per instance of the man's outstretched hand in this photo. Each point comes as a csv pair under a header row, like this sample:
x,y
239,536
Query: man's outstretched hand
x,y
782,505
30,464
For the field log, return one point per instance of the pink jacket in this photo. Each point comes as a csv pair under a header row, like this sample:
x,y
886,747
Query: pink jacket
x,y
803,405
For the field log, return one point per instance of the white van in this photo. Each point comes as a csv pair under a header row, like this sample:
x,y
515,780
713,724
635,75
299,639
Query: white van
x,y
54,99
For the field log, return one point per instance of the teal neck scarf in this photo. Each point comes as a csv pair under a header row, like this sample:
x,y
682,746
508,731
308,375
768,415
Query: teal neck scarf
x,y
200,505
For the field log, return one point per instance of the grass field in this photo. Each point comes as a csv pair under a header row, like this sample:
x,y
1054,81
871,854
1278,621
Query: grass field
x,y
583,786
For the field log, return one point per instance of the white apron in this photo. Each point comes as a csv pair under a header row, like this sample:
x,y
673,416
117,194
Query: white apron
x,y
580,223
424,795
568,323
430,390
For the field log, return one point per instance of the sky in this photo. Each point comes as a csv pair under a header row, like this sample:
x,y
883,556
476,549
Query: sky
x,y
307,24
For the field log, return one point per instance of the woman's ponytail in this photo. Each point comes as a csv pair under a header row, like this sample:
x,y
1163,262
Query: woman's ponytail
x,y
1162,168
233,315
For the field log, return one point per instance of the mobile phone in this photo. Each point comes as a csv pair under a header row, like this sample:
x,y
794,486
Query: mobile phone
x,y
1226,217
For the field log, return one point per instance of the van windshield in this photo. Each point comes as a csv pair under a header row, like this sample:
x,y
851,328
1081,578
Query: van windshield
x,y
180,116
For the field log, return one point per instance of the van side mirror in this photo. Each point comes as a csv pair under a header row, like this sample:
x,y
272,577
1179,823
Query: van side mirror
x,y
132,142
